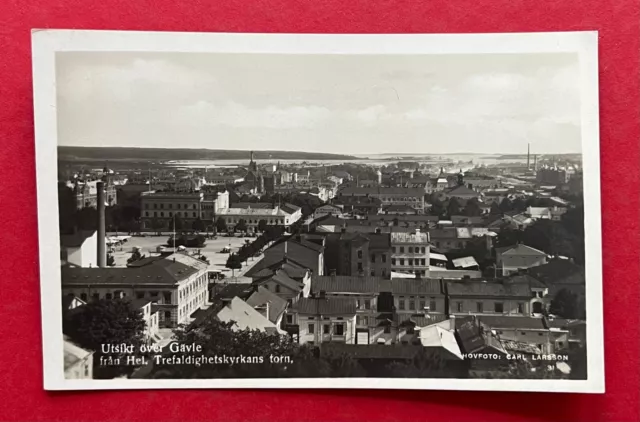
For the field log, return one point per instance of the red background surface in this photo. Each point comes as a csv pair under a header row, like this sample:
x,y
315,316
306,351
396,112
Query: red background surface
x,y
22,396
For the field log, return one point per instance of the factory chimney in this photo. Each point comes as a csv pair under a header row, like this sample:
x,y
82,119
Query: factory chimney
x,y
528,153
102,244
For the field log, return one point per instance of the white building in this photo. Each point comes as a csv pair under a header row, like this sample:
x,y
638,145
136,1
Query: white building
x,y
284,215
80,249
410,252
245,317
78,362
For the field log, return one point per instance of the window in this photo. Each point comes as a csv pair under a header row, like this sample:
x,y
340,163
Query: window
x,y
359,254
83,296
108,296
479,307
520,308
362,320
387,329
523,333
401,261
194,214
412,304
367,304
359,266
401,304
178,206
277,288
423,304
339,329
424,250
498,307
325,329
146,213
311,328
384,258
289,319
560,344
170,206
155,214
401,249
139,295
410,249
393,261
459,306
373,273
194,206
432,305
384,273
96,296
161,206
411,329
155,206
410,261
540,334
167,297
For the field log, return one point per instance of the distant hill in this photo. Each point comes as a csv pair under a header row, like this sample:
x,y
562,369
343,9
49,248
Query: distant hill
x,y
67,153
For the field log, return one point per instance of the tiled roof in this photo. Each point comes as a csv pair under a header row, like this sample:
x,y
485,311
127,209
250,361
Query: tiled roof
x,y
461,190
271,263
498,321
230,290
354,190
326,306
558,271
525,279
255,205
410,237
445,233
245,317
159,271
475,288
262,296
523,250
563,323
416,286
349,284
281,278
421,320
290,208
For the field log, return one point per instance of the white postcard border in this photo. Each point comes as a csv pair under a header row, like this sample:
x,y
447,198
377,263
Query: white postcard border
x,y
45,44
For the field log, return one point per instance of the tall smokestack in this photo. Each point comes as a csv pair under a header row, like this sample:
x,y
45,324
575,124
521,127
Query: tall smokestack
x,y
528,152
102,244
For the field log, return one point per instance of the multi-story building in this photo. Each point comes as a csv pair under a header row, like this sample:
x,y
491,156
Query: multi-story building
x,y
284,215
151,318
413,197
177,285
358,254
410,252
327,209
80,249
324,319
552,176
480,297
85,193
511,259
420,297
528,330
163,207
78,362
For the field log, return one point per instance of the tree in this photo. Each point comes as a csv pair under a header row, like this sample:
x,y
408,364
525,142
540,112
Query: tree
x,y
453,207
156,224
437,208
198,225
178,224
221,224
262,225
234,263
111,261
495,209
242,225
565,305
105,322
472,208
506,205
519,205
217,338
135,256
426,364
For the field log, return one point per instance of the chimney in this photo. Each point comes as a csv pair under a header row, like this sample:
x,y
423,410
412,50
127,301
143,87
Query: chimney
x,y
102,243
452,322
528,152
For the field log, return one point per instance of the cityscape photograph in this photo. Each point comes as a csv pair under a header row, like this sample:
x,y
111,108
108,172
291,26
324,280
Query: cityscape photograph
x,y
321,216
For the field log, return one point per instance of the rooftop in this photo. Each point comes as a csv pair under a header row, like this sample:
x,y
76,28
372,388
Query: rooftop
x,y
517,322
262,296
411,237
245,317
326,306
349,284
481,288
73,353
77,239
416,286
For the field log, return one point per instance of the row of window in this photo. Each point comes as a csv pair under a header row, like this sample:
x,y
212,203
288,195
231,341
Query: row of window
x,y
422,305
410,261
498,307
338,329
192,305
192,286
170,206
268,220
459,245
410,249
154,296
170,214
383,258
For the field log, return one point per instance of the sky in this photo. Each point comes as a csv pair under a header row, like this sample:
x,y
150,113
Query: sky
x,y
365,104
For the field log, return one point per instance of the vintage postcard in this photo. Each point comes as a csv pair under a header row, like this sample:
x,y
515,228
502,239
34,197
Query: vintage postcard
x,y
319,211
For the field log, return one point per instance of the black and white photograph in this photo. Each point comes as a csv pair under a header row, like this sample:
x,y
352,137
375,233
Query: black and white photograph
x,y
319,211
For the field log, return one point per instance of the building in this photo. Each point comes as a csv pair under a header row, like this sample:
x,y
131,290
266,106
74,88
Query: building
x,y
80,249
282,286
85,193
412,197
176,284
480,297
78,362
419,298
245,317
529,330
269,304
284,215
552,176
159,210
410,252
461,192
358,205
305,253
324,319
358,254
511,259
575,329
151,318
447,239
558,274
327,209
70,302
